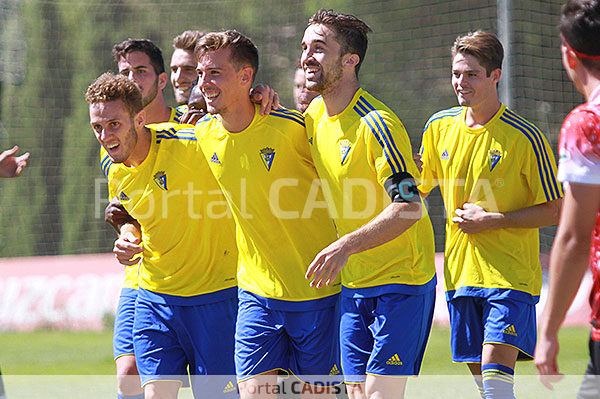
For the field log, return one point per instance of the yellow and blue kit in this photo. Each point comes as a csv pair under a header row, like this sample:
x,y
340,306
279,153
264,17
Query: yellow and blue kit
x,y
281,224
355,152
182,212
269,179
188,265
503,166
386,287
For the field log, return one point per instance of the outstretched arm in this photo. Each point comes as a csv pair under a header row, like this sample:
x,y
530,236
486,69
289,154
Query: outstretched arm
x,y
394,220
569,259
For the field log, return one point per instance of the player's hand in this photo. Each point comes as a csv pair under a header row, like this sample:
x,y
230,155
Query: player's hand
x,y
266,97
116,215
126,248
11,166
546,352
192,115
471,218
324,269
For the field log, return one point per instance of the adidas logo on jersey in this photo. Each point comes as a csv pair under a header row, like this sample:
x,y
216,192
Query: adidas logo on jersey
x,y
394,361
215,159
310,140
445,155
123,197
510,330
334,370
229,387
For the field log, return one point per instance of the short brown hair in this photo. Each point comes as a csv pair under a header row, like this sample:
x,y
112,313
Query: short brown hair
x,y
110,87
243,51
187,40
145,46
350,32
482,45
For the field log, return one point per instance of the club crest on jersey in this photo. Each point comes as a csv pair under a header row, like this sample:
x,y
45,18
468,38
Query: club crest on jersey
x,y
160,178
267,155
495,156
123,196
345,147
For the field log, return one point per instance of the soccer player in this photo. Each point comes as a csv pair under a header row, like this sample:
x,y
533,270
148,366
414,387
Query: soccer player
x,y
183,65
263,164
496,173
141,61
302,96
385,251
579,170
10,165
187,297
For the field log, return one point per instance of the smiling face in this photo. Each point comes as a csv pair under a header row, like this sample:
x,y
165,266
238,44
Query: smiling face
x,y
321,59
115,129
221,84
137,67
183,74
472,86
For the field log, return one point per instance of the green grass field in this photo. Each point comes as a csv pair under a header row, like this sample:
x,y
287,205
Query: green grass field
x,y
59,364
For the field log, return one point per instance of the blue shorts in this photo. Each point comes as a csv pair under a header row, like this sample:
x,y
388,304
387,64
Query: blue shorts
x,y
301,342
170,338
384,335
475,321
123,329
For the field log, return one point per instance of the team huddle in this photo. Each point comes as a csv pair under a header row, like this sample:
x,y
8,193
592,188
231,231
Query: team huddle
x,y
260,240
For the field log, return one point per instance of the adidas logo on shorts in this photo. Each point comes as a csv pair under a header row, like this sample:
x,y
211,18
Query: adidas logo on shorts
x,y
334,370
229,387
394,361
510,330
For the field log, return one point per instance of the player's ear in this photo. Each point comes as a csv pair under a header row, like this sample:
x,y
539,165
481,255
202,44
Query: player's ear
x,y
163,79
140,119
496,73
350,60
246,75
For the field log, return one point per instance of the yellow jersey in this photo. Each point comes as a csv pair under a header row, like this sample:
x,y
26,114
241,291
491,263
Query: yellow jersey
x,y
269,179
187,229
503,166
131,272
355,152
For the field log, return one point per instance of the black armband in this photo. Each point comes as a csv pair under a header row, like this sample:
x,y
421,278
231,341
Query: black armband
x,y
401,187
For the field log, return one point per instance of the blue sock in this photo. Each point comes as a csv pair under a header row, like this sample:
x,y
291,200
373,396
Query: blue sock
x,y
140,396
479,384
498,381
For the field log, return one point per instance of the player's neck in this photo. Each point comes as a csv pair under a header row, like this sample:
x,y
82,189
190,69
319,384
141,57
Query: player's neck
x,y
591,86
157,111
239,116
339,97
141,149
477,116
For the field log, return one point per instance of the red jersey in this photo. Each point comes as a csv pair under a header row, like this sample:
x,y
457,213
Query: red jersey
x,y
579,162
